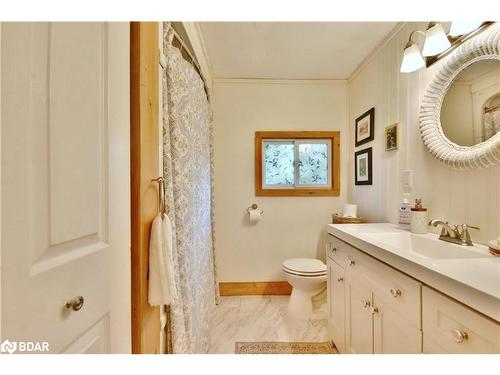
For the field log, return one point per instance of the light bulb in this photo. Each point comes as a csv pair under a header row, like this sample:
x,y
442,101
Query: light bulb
x,y
463,27
435,40
412,59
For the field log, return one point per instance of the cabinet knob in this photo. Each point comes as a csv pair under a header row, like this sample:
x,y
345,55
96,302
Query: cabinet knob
x,y
334,249
351,262
459,336
340,279
395,292
75,304
374,310
366,304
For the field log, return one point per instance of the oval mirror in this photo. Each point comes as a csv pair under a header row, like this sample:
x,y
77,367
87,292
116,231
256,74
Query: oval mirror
x,y
459,111
470,113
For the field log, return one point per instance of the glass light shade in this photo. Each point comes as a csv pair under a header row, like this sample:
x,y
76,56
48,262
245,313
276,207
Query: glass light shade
x,y
435,41
463,27
412,59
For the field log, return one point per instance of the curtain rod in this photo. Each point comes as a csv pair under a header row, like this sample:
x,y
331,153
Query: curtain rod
x,y
491,109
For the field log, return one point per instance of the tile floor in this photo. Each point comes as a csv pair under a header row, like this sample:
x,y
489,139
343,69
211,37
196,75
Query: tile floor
x,y
262,318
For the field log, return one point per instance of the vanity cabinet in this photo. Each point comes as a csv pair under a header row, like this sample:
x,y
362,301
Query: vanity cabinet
x,y
378,307
374,308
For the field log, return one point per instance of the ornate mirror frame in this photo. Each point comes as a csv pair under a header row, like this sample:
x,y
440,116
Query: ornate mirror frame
x,y
486,154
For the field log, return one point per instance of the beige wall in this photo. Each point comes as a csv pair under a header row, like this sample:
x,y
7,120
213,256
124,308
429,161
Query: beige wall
x,y
458,196
290,226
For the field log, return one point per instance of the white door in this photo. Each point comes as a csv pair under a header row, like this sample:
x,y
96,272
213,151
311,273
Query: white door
x,y
337,304
65,186
359,327
392,333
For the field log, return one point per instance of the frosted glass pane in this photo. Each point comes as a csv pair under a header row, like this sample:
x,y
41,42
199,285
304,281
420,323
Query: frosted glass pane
x,y
279,163
313,164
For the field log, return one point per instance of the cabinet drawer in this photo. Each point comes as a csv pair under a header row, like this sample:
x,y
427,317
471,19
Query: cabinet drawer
x,y
450,327
398,291
336,250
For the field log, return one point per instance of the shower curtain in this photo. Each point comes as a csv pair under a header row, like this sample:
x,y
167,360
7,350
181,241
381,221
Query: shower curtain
x,y
188,171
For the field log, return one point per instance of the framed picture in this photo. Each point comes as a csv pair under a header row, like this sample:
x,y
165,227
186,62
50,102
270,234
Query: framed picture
x,y
392,137
365,125
363,167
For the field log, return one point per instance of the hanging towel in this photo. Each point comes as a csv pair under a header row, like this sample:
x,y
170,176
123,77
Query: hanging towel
x,y
161,273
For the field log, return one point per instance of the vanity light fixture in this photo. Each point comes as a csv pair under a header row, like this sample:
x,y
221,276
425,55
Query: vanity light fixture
x,y
436,40
437,44
412,58
463,27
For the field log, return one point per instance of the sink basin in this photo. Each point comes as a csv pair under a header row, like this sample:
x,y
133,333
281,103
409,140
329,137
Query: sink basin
x,y
427,247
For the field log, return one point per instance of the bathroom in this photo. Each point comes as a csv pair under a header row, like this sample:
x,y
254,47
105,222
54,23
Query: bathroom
x,y
282,186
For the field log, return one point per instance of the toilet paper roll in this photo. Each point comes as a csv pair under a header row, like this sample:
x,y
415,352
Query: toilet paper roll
x,y
254,215
350,210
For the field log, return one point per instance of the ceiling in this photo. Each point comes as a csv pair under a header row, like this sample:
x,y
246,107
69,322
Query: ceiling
x,y
290,50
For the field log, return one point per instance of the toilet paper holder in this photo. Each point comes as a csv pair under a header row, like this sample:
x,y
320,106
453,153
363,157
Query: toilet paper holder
x,y
254,207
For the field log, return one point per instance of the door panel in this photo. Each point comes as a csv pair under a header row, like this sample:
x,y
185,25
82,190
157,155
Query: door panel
x,y
392,333
337,304
56,183
359,333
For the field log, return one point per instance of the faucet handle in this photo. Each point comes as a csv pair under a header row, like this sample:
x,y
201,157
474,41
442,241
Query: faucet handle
x,y
467,226
465,234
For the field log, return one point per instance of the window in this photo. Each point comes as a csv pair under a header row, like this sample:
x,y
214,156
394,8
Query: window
x,y
297,163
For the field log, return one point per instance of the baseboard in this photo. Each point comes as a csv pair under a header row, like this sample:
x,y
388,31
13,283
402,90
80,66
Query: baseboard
x,y
255,288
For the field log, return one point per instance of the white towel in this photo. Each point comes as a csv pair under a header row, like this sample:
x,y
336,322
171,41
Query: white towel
x,y
161,273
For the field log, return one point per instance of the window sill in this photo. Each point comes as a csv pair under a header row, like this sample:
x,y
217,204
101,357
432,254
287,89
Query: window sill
x,y
297,192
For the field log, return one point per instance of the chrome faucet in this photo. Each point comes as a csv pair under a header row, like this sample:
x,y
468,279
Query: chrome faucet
x,y
458,234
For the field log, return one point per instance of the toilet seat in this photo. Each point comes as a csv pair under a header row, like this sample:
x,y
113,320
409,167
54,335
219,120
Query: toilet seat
x,y
304,267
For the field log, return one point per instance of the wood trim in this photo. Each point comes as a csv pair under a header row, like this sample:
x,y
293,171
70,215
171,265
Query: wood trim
x,y
255,288
144,160
335,138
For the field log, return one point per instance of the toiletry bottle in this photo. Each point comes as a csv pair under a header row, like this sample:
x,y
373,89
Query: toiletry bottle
x,y
404,212
418,218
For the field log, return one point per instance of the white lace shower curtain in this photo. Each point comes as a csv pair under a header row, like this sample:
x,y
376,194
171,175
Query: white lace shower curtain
x,y
188,167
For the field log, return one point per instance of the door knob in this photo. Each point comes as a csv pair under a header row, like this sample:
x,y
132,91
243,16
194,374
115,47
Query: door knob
x,y
459,335
395,292
75,304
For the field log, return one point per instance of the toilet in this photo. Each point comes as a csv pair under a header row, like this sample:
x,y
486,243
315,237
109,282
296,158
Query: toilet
x,y
307,277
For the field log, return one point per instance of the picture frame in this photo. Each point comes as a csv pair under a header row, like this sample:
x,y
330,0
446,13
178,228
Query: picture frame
x,y
391,138
363,167
365,127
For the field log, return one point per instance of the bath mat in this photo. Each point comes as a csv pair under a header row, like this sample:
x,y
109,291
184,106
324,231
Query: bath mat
x,y
284,348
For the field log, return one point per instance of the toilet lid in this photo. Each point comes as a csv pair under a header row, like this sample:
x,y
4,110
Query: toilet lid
x,y
307,266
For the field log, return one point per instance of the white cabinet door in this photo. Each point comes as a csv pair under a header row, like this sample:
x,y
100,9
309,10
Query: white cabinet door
x,y
359,328
392,333
65,185
336,299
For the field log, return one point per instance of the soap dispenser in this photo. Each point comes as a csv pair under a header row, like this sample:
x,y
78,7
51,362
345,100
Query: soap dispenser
x,y
404,212
418,218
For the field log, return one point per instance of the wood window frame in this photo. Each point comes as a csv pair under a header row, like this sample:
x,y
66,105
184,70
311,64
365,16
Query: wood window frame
x,y
334,136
